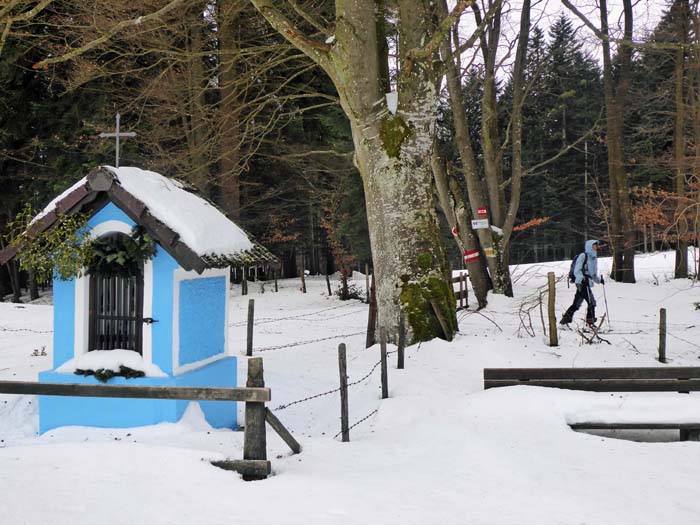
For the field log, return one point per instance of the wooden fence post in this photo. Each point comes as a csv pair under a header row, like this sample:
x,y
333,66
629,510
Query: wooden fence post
x,y
551,303
367,290
466,291
328,284
251,315
385,375
441,320
303,275
244,282
274,276
662,335
343,368
402,341
372,315
255,440
285,434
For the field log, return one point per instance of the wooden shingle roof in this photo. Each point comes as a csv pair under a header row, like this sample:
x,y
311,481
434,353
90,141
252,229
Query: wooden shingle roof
x,y
179,225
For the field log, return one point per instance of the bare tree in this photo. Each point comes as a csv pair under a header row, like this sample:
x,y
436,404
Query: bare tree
x,y
616,85
490,191
681,12
18,12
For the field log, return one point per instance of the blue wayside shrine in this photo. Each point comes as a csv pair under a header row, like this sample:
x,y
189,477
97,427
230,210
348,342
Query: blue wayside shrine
x,y
170,315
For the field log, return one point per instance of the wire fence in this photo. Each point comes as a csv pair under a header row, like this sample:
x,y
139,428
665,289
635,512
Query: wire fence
x,y
376,410
266,320
333,391
307,342
648,328
5,329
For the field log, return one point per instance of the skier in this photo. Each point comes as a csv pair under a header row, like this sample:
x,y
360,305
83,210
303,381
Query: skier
x,y
585,273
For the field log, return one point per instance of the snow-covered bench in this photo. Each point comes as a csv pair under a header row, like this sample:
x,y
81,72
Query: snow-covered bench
x,y
668,412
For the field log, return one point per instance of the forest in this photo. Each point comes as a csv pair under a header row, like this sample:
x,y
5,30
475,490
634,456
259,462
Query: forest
x,y
372,133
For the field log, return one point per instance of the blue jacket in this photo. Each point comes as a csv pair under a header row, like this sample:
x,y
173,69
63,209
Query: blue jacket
x,y
591,270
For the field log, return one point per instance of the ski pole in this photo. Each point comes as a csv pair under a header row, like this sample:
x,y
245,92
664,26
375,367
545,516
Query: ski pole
x,y
607,313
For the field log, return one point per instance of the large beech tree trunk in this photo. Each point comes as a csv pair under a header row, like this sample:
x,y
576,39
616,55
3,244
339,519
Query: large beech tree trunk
x,y
392,151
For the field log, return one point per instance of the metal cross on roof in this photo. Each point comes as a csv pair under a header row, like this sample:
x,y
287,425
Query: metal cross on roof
x,y
117,135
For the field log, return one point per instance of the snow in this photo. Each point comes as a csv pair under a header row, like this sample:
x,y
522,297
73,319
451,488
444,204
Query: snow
x,y
201,226
52,205
439,450
111,360
392,102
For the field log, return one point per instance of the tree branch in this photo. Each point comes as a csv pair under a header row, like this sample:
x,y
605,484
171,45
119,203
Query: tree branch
x,y
306,16
316,51
482,25
22,17
583,19
125,24
439,35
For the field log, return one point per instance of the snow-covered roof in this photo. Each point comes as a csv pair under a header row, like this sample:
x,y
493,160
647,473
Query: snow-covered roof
x,y
201,226
189,227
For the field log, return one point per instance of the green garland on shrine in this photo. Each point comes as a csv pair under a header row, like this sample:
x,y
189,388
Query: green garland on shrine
x,y
105,374
121,254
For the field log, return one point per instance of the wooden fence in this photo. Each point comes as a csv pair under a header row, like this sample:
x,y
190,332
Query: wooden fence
x,y
462,294
254,464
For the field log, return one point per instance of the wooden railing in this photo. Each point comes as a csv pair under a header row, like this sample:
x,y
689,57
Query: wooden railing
x,y
254,464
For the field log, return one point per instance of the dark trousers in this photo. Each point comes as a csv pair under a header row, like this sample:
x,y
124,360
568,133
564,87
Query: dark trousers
x,y
583,293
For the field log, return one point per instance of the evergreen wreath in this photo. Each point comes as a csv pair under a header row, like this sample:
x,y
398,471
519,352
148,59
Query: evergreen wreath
x,y
121,254
105,374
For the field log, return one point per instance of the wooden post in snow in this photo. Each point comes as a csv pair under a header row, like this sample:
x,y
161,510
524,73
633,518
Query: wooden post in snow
x,y
251,315
303,275
662,335
551,304
402,341
255,439
372,315
343,369
385,375
466,290
328,284
367,290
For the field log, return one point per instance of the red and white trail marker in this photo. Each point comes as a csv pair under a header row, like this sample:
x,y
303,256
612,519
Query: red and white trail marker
x,y
471,255
481,213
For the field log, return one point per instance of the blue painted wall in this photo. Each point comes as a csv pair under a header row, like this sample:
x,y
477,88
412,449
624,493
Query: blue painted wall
x,y
201,319
110,213
57,411
63,321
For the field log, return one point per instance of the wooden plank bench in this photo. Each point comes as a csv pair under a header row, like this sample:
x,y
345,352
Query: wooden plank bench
x,y
627,379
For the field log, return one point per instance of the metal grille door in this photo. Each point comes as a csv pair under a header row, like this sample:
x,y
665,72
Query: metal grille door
x,y
116,312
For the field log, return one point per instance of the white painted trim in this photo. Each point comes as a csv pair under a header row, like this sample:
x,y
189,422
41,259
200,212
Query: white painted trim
x,y
82,297
147,311
111,226
183,275
81,327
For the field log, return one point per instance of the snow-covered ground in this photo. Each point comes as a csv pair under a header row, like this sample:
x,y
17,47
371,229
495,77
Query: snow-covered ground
x,y
439,450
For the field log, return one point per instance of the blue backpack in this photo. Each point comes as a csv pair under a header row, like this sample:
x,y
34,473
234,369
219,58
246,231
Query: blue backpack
x,y
572,277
